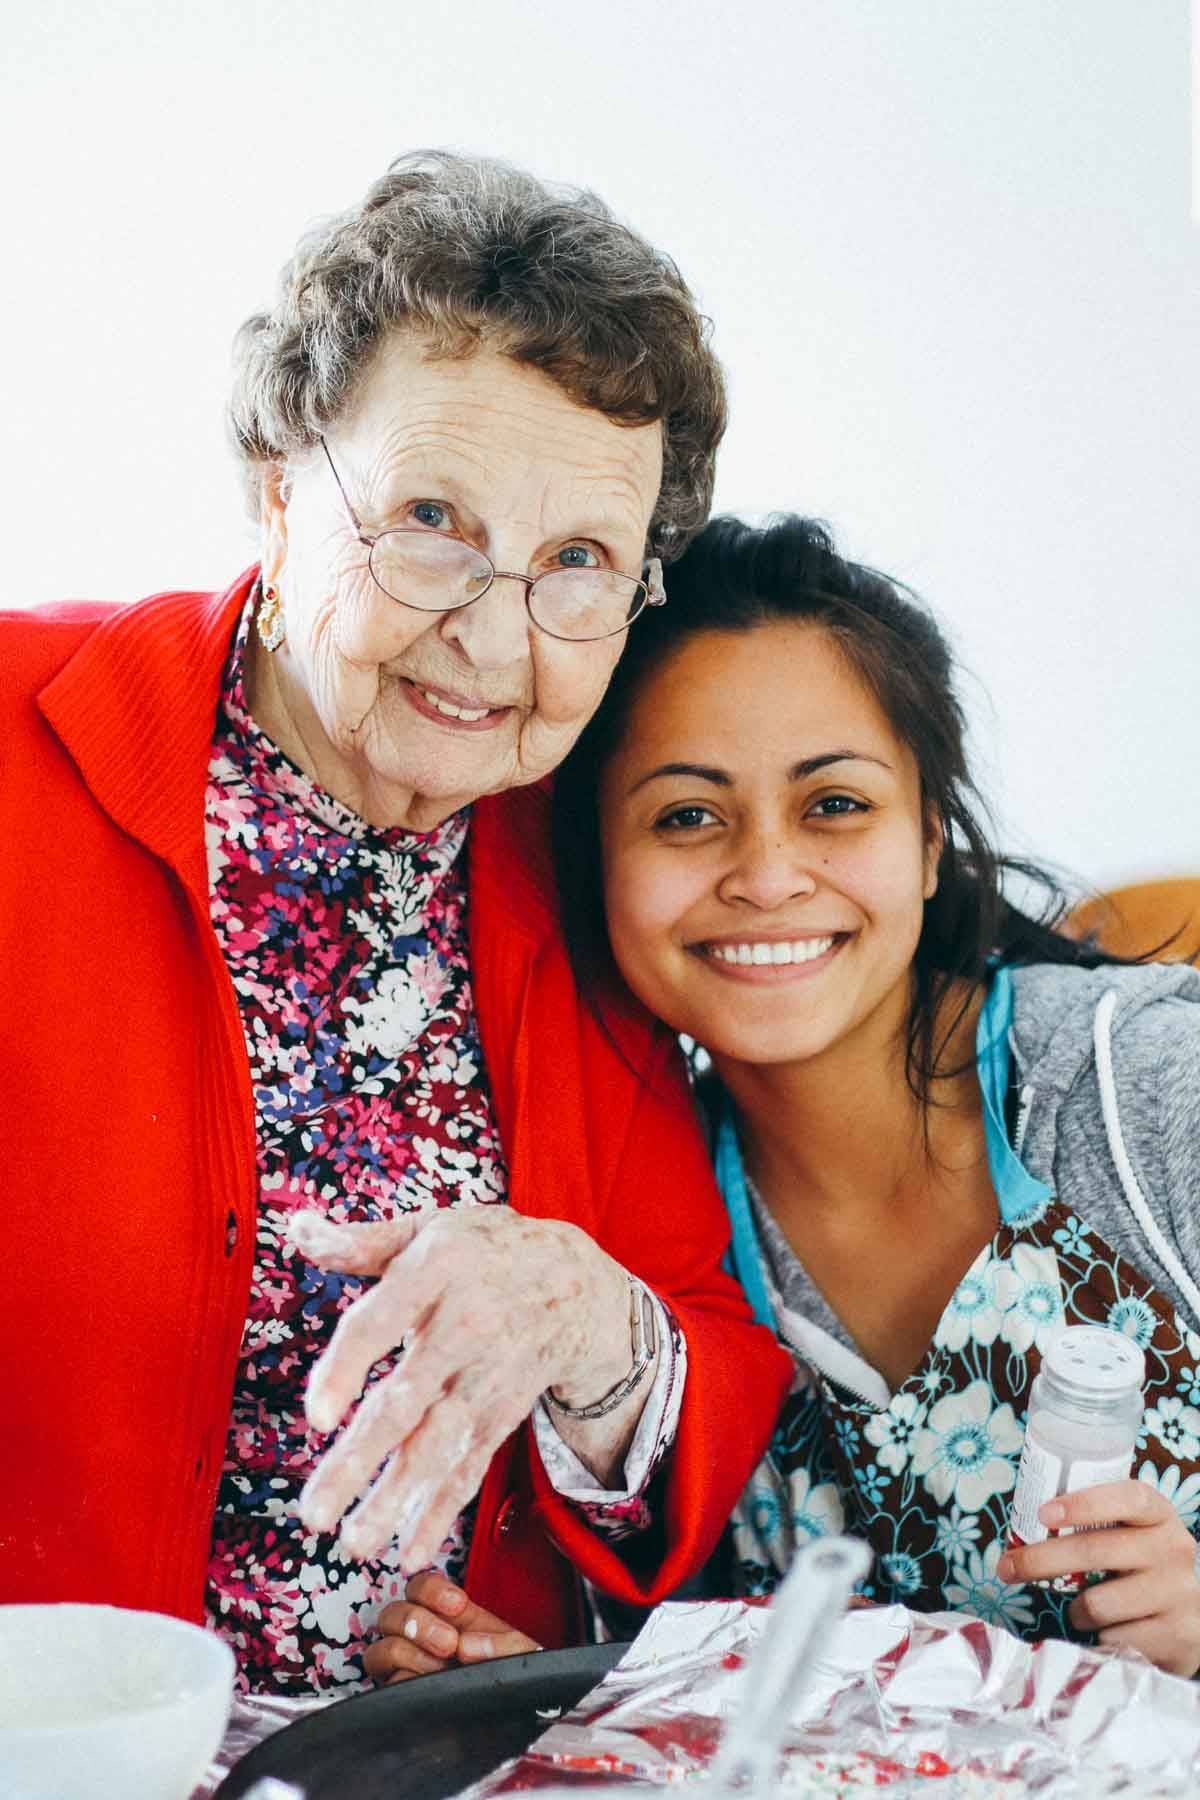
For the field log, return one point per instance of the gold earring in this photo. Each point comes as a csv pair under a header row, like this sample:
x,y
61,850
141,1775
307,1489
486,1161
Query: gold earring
x,y
272,626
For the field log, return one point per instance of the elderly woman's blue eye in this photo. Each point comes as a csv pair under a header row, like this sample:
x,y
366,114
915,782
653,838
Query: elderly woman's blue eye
x,y
428,512
578,556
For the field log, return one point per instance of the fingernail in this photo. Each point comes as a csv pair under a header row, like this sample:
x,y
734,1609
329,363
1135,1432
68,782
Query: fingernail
x,y
358,1541
452,1599
316,1513
1006,1568
320,1406
443,1639
1053,1513
311,1234
477,1644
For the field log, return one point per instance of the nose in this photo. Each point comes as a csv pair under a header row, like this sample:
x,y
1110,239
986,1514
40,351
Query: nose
x,y
493,632
769,868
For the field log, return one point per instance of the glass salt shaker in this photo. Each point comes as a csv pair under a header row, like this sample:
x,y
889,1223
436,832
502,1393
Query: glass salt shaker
x,y
1085,1412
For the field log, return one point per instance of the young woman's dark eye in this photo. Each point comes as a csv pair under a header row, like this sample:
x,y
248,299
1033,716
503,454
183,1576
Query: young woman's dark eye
x,y
433,514
839,806
685,818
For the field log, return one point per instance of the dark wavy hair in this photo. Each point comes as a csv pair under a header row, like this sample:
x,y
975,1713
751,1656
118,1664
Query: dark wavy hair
x,y
735,577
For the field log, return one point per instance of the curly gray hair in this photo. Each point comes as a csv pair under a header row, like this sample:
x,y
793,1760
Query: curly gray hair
x,y
467,250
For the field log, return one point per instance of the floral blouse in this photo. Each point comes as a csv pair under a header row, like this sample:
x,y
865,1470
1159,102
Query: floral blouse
x,y
347,947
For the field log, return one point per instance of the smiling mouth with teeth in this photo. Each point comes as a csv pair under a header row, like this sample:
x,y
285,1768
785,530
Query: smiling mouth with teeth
x,y
470,714
762,955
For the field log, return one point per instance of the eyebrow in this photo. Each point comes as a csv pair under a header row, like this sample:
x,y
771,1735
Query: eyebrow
x,y
808,765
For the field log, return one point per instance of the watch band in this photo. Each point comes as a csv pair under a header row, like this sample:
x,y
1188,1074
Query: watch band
x,y
643,1338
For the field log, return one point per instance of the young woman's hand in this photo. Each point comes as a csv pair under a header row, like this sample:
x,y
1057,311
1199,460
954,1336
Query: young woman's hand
x,y
434,1626
1150,1600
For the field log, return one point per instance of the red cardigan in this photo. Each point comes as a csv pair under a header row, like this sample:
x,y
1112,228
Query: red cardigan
x,y
127,1157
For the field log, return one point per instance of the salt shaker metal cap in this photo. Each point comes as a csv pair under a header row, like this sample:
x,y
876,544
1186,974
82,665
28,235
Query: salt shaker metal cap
x,y
1095,1359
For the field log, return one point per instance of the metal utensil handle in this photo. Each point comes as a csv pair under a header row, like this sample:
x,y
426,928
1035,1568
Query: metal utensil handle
x,y
807,1606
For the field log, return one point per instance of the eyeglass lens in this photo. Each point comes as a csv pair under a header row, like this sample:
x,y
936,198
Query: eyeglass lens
x,y
437,574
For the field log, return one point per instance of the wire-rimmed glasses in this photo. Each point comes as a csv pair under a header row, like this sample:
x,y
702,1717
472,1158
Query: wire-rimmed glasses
x,y
435,573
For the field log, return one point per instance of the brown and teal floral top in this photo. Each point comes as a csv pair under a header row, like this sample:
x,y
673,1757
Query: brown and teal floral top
x,y
926,1473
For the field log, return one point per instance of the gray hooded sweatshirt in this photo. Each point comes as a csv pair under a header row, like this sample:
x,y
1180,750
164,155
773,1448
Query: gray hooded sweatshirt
x,y
1108,1062
1108,1069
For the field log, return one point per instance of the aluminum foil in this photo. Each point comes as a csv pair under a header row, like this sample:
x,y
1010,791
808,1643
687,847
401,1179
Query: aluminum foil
x,y
252,1718
938,1705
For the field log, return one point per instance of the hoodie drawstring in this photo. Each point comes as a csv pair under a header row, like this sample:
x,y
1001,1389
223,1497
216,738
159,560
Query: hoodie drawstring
x,y
1102,1039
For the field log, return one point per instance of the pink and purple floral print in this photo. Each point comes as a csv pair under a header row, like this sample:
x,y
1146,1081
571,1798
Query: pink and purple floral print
x,y
347,948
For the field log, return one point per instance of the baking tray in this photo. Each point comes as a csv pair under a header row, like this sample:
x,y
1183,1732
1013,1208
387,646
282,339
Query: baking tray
x,y
424,1739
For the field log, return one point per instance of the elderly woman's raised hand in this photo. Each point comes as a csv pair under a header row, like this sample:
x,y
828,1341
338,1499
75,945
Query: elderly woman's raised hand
x,y
492,1309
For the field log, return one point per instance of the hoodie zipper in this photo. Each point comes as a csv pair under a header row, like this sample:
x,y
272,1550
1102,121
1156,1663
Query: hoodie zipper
x,y
1021,1124
810,1353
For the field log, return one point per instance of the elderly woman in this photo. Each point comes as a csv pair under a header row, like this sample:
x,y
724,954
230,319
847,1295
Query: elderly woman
x,y
287,1004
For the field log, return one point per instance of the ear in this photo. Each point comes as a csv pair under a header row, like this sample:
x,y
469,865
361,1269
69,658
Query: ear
x,y
935,843
272,522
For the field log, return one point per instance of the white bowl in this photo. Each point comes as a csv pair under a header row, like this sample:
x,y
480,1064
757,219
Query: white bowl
x,y
100,1703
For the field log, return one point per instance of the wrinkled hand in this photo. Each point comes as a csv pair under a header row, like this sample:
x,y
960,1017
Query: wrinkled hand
x,y
436,1624
1151,1601
492,1308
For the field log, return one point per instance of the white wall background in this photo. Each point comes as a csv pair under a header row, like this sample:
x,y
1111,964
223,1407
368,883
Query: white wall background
x,y
947,245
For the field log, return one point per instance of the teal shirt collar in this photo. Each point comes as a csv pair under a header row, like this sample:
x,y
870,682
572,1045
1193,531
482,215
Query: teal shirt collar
x,y
1018,1192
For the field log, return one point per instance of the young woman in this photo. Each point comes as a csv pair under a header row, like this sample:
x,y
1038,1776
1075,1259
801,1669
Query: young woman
x,y
943,1130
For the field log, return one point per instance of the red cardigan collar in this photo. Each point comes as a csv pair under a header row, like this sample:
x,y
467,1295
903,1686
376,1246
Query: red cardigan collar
x,y
135,707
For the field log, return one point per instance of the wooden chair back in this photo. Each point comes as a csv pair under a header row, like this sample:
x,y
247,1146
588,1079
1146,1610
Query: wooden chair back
x,y
1129,921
